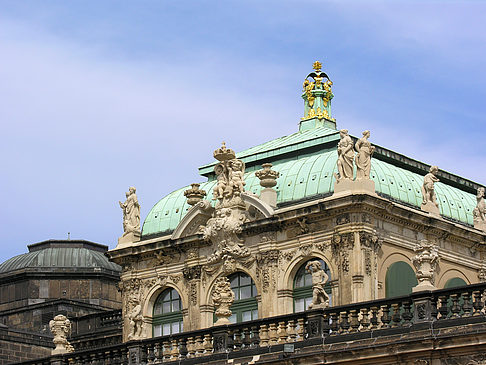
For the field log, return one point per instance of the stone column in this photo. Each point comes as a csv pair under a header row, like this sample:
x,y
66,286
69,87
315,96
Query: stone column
x,y
192,277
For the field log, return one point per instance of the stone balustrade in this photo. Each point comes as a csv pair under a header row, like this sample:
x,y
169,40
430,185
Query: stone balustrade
x,y
459,307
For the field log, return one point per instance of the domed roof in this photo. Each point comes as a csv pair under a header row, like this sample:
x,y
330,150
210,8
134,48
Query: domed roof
x,y
54,254
307,162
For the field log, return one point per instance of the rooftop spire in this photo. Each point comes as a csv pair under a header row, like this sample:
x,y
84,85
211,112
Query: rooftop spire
x,y
317,97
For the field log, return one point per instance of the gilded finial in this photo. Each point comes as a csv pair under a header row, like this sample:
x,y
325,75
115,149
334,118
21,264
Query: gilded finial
x,y
317,66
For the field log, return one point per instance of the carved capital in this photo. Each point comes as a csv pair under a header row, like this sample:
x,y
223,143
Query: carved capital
x,y
191,273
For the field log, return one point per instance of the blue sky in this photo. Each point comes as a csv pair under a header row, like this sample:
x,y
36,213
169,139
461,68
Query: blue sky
x,y
97,96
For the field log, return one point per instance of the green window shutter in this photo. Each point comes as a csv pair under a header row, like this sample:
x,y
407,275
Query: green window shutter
x,y
400,279
452,283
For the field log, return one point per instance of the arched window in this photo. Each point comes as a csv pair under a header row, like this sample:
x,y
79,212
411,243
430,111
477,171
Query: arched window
x,y
453,282
245,306
303,286
400,279
167,315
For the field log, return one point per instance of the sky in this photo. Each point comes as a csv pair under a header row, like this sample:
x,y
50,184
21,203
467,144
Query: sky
x,y
97,96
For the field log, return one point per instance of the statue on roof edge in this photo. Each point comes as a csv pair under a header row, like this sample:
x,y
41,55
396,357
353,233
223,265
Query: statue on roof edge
x,y
363,157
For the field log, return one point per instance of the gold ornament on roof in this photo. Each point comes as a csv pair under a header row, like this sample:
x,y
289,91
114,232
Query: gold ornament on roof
x,y
317,66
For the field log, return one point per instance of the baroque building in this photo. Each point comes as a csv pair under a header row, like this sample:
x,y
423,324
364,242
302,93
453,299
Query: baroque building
x,y
317,247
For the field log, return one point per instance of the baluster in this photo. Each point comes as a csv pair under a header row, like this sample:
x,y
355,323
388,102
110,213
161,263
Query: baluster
x,y
282,332
374,317
191,349
365,320
444,311
167,352
174,352
354,320
477,304
264,339
117,357
208,343
143,354
237,340
246,338
300,328
158,349
151,353
385,316
334,323
344,323
407,314
272,333
108,356
466,306
434,311
325,325
455,305
396,314
255,332
124,356
183,348
292,332
199,345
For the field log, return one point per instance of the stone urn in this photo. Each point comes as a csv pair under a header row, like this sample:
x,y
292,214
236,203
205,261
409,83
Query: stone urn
x,y
194,195
267,176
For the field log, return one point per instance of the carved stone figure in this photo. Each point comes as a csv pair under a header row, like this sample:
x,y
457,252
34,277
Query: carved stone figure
x,y
425,262
363,157
131,213
345,156
479,213
135,319
223,227
320,299
429,203
194,195
223,297
60,327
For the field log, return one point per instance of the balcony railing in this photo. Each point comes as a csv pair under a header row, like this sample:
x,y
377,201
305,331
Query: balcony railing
x,y
430,310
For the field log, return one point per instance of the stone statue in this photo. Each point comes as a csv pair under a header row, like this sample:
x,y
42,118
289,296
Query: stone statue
x,y
230,212
479,213
131,213
425,262
429,202
60,327
363,158
345,156
223,297
320,299
135,319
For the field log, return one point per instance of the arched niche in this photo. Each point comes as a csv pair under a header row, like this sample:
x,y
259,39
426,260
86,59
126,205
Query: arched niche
x,y
400,279
452,278
199,214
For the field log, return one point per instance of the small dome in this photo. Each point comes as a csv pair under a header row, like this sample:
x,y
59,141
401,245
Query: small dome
x,y
63,255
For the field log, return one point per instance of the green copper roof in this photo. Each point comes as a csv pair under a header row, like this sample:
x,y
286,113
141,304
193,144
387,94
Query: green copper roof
x,y
52,254
304,175
277,148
